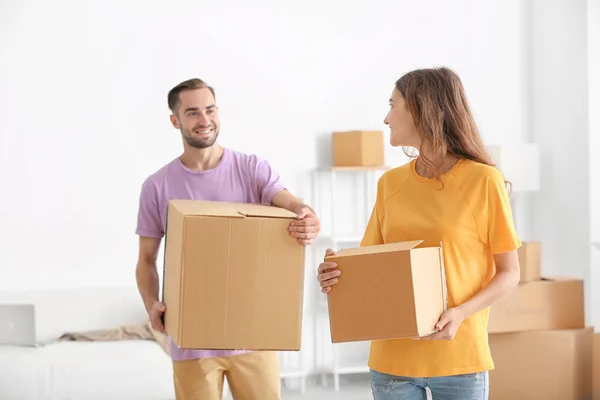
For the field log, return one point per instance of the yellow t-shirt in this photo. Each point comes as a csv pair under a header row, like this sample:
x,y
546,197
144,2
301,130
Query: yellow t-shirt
x,y
472,218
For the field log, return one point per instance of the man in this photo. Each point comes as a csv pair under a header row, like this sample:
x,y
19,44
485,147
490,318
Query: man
x,y
207,171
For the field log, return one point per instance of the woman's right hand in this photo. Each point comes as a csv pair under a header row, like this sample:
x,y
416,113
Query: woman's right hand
x,y
328,273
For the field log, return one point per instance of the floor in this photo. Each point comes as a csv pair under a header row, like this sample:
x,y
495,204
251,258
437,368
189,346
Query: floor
x,y
351,388
355,388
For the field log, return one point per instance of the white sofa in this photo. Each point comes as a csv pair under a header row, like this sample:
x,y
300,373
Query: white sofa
x,y
71,370
132,369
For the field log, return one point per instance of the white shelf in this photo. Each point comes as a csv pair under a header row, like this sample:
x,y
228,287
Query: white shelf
x,y
353,239
291,371
347,358
293,374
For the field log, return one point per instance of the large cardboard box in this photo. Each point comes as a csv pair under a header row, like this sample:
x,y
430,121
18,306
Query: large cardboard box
x,y
530,260
234,277
542,365
357,149
596,367
387,291
552,303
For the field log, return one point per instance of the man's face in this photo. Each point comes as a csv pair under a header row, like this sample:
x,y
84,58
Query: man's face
x,y
197,118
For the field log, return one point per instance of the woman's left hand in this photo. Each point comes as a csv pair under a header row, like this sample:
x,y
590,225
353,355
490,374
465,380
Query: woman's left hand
x,y
447,325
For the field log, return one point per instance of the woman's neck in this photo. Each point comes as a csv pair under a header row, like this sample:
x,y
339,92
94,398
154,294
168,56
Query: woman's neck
x,y
447,163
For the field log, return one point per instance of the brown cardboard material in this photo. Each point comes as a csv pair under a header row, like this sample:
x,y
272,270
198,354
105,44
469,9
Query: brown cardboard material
x,y
234,277
552,303
542,365
596,367
357,149
387,291
530,260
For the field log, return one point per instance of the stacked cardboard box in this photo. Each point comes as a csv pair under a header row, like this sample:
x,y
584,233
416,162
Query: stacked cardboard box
x,y
357,149
539,342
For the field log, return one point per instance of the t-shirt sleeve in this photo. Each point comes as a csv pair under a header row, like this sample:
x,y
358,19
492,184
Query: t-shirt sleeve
x,y
501,234
267,181
148,220
373,235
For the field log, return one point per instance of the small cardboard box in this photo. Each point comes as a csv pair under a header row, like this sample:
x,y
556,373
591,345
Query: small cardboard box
x,y
548,365
530,260
234,277
387,291
357,149
552,303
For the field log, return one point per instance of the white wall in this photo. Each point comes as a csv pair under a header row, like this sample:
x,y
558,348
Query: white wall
x,y
561,126
594,150
83,116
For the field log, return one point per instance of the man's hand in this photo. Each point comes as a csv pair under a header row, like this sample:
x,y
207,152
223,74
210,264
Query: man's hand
x,y
307,226
447,326
156,313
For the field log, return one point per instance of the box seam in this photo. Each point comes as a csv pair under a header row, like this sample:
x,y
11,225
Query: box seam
x,y
443,278
181,285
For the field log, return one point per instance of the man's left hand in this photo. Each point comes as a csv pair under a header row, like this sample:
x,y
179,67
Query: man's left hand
x,y
306,227
447,325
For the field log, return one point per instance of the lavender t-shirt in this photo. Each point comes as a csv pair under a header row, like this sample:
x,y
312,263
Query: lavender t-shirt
x,y
238,178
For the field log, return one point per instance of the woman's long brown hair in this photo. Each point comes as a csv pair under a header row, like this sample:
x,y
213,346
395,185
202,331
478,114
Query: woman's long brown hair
x,y
436,99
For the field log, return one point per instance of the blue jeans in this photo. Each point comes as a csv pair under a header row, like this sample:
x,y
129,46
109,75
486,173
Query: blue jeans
x,y
457,387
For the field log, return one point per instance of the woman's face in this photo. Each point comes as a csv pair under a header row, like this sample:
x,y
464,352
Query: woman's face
x,y
402,126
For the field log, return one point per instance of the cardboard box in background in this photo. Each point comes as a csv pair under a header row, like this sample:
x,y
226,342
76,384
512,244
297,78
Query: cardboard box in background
x,y
530,260
553,303
387,291
357,149
234,277
596,367
542,365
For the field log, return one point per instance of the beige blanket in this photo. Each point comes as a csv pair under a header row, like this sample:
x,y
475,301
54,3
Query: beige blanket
x,y
124,332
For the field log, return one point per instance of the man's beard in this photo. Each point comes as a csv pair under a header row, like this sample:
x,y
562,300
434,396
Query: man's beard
x,y
200,143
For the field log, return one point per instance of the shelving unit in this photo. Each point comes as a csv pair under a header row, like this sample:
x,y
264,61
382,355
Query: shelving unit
x,y
342,363
290,371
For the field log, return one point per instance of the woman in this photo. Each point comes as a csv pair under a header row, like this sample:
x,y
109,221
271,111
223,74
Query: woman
x,y
450,193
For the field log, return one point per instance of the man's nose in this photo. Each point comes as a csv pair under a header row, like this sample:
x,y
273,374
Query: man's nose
x,y
203,119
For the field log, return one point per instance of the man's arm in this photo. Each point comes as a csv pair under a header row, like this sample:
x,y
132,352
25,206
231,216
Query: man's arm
x,y
285,199
147,279
306,228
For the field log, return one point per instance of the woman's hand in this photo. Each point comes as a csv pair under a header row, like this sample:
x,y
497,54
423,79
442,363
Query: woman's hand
x,y
328,273
505,280
447,325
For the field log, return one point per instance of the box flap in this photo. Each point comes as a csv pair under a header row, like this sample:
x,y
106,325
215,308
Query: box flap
x,y
379,248
208,208
229,209
559,278
259,210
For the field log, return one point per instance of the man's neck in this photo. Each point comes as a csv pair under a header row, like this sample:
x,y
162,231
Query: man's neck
x,y
202,159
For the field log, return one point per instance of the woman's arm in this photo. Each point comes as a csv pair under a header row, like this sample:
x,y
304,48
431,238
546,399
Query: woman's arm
x,y
506,279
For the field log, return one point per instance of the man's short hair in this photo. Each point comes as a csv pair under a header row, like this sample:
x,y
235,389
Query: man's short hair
x,y
190,84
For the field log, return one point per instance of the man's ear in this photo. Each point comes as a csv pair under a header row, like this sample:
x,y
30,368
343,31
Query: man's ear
x,y
174,121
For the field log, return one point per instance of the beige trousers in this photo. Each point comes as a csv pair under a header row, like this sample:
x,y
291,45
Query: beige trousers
x,y
251,376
